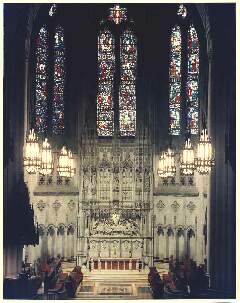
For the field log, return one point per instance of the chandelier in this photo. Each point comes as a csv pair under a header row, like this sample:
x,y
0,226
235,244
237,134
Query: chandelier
x,y
65,166
71,161
187,165
204,160
46,167
161,166
169,163
64,169
31,159
166,164
41,160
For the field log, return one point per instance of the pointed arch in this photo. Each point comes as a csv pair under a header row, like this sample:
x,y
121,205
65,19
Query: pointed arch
x,y
192,81
175,81
59,81
41,78
127,89
106,69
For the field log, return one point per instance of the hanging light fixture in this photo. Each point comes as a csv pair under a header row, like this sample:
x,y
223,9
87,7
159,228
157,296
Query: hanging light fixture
x,y
46,158
187,164
71,162
64,168
31,159
169,163
204,160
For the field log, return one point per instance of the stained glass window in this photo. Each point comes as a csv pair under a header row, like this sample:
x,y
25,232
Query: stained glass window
x,y
175,81
106,68
59,79
192,80
182,11
127,89
41,96
117,14
53,10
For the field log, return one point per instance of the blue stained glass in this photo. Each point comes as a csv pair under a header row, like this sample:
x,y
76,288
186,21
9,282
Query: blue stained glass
x,y
192,80
106,69
59,81
41,96
175,81
127,89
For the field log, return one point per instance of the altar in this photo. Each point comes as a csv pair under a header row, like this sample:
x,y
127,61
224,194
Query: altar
x,y
115,264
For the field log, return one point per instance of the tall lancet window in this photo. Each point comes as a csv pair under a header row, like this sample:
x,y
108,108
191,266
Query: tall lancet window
x,y
183,88
41,76
106,67
59,79
127,90
119,78
175,81
192,81
49,78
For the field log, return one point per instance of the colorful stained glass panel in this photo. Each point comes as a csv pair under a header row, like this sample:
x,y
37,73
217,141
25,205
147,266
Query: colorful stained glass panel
x,y
59,81
192,81
106,69
127,123
175,82
127,89
41,96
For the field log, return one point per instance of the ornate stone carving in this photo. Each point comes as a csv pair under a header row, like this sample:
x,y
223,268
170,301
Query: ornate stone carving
x,y
41,205
160,205
115,225
191,206
175,206
56,205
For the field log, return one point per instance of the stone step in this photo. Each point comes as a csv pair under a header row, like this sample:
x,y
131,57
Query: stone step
x,y
115,276
112,286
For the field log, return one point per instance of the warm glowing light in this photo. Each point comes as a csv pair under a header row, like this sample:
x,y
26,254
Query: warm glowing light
x,y
64,169
166,165
71,162
204,160
161,166
187,160
46,158
31,158
170,167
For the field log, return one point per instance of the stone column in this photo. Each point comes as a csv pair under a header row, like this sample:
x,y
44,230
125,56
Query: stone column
x,y
66,245
26,101
210,53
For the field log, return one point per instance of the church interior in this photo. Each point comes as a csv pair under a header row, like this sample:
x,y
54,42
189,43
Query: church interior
x,y
119,151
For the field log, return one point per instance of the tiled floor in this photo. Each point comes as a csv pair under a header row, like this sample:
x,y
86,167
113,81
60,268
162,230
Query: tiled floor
x,y
114,285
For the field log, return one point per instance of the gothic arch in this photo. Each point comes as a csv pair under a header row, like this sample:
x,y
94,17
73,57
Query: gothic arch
x,y
160,230
51,229
191,243
180,242
190,227
61,229
70,235
41,230
71,229
170,242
